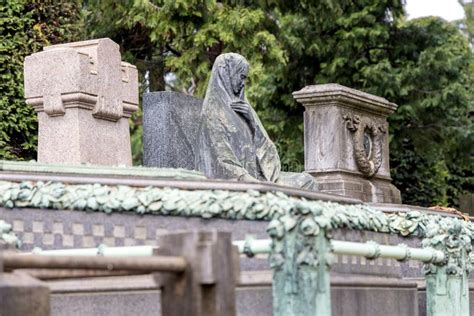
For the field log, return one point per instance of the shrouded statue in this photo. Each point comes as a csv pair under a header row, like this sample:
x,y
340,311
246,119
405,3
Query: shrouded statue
x,y
232,142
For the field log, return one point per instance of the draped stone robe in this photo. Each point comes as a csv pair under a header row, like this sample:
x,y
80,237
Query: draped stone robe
x,y
232,145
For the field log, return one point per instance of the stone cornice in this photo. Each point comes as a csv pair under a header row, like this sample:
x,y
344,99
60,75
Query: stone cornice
x,y
327,94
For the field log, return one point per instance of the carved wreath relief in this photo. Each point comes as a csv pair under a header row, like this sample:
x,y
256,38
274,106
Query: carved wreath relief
x,y
368,142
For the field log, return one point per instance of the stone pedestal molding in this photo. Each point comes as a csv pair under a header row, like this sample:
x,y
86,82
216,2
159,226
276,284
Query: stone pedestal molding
x,y
346,142
84,95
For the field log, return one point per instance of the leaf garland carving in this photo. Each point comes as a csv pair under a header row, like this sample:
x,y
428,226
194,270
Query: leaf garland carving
x,y
358,126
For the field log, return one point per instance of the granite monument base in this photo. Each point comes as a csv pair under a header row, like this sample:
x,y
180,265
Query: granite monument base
x,y
77,137
377,189
359,286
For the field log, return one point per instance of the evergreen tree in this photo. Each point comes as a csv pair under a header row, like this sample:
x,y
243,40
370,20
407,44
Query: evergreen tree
x,y
25,27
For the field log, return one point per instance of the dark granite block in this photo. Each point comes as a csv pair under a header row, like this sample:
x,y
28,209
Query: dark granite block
x,y
170,129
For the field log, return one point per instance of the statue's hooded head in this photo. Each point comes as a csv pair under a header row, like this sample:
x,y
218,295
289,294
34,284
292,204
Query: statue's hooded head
x,y
227,147
230,71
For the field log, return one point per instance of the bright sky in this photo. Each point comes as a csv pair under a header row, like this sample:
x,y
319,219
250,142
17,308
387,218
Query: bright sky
x,y
447,9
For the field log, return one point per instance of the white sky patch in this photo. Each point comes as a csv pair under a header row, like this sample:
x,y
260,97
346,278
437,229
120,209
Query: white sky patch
x,y
447,9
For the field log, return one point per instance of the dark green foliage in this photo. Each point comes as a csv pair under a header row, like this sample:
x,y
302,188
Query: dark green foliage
x,y
432,132
17,121
25,27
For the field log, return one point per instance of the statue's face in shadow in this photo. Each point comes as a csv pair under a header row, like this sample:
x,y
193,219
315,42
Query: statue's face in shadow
x,y
237,79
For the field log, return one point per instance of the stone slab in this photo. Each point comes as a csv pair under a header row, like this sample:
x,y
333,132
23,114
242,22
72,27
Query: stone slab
x,y
78,137
115,303
377,189
361,296
336,93
366,301
170,129
33,169
399,298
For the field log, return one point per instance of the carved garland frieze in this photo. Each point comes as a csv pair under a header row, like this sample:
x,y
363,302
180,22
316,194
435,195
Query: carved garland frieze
x,y
448,234
302,219
368,139
305,221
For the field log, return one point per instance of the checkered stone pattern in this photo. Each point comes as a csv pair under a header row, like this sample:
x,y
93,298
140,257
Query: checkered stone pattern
x,y
59,229
50,232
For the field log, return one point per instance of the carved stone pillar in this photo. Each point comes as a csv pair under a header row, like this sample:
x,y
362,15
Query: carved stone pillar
x,y
346,142
84,95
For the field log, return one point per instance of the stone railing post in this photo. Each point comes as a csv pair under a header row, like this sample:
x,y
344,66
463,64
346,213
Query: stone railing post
x,y
207,287
21,294
346,142
84,95
300,260
447,283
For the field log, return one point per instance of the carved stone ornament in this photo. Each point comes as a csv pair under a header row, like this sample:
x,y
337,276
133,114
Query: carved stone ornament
x,y
368,143
88,75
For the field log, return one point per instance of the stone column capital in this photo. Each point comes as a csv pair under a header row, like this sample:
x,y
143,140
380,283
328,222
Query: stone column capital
x,y
336,94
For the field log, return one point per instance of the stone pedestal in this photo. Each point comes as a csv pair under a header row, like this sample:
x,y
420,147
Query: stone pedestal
x,y
346,142
84,96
